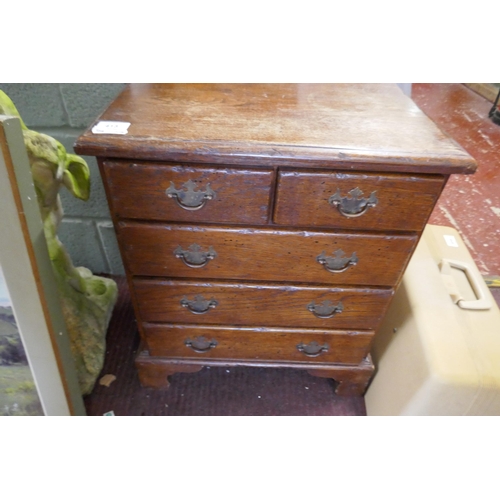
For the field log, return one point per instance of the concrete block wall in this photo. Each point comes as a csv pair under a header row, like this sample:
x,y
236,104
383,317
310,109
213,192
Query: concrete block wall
x,y
64,111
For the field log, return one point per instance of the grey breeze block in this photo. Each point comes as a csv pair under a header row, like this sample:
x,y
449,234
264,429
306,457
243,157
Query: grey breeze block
x,y
64,111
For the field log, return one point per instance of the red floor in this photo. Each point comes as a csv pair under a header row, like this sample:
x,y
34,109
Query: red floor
x,y
469,203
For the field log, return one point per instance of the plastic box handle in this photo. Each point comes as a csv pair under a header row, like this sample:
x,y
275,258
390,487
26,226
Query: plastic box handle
x,y
483,302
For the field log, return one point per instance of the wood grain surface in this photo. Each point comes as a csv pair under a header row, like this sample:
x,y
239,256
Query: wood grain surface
x,y
260,304
404,202
277,124
168,340
351,380
138,191
274,154
264,254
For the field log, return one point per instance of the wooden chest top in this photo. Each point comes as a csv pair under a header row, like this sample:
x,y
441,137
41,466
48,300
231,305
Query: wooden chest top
x,y
346,126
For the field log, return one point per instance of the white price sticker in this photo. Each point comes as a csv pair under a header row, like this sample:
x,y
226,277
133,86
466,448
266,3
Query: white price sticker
x,y
450,240
120,128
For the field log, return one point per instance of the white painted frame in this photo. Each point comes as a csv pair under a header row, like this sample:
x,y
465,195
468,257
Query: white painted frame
x,y
30,280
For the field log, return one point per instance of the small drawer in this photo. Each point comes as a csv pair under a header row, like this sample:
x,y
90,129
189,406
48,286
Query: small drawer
x,y
256,344
259,304
388,202
188,193
263,254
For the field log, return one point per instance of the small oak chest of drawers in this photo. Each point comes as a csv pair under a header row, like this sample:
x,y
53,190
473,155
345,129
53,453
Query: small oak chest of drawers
x,y
267,224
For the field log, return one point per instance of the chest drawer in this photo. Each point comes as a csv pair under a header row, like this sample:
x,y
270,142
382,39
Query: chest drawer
x,y
263,254
188,192
343,200
265,344
219,303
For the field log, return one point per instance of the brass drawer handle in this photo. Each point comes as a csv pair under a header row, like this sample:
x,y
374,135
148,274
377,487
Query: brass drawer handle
x,y
199,305
339,262
200,344
188,198
327,309
312,349
194,256
355,206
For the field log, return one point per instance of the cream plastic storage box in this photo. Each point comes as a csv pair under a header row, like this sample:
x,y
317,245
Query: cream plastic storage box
x,y
438,350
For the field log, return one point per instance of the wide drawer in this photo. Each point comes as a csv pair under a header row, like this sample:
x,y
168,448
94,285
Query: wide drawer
x,y
266,344
188,193
388,202
261,304
264,254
